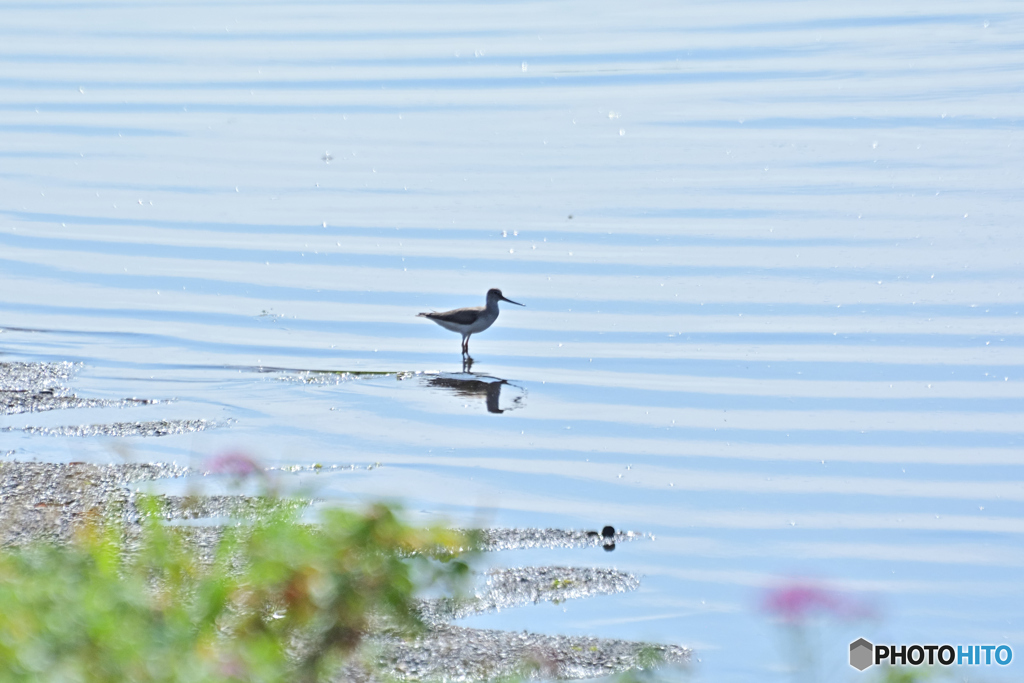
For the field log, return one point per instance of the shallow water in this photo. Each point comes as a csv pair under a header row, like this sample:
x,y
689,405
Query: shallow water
x,y
770,256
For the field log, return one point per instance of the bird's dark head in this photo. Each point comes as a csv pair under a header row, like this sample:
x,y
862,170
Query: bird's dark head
x,y
495,295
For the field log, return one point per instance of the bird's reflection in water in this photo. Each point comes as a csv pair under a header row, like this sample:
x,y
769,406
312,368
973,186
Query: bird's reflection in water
x,y
471,385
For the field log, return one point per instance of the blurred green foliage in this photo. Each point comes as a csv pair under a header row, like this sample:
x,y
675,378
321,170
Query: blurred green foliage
x,y
280,600
910,675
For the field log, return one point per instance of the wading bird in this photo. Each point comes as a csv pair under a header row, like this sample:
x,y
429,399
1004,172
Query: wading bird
x,y
467,321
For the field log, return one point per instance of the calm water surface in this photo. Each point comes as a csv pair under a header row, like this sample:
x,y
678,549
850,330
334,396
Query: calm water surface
x,y
770,253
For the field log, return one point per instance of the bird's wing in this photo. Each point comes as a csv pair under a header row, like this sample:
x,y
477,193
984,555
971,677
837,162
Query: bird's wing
x,y
460,316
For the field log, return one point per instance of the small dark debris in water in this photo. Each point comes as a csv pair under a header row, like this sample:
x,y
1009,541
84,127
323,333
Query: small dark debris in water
x,y
570,216
608,538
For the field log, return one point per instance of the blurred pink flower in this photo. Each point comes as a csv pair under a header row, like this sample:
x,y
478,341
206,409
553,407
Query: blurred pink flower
x,y
233,668
796,600
234,463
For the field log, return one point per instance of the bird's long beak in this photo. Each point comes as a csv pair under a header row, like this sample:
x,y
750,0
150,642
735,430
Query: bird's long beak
x,y
513,302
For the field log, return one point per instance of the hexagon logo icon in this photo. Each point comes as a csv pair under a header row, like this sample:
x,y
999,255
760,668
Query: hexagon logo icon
x,y
862,654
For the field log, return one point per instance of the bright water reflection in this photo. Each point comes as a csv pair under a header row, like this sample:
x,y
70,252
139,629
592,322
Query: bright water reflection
x,y
769,254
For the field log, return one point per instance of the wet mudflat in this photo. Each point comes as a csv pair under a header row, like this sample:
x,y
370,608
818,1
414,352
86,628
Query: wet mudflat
x,y
769,255
52,502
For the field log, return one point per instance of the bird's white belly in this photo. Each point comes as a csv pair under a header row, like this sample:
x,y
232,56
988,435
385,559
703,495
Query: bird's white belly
x,y
481,324
478,325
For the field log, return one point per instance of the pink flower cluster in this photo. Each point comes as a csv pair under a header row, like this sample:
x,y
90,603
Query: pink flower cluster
x,y
795,601
234,463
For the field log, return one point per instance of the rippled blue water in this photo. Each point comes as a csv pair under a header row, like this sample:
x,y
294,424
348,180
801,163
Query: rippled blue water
x,y
770,253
